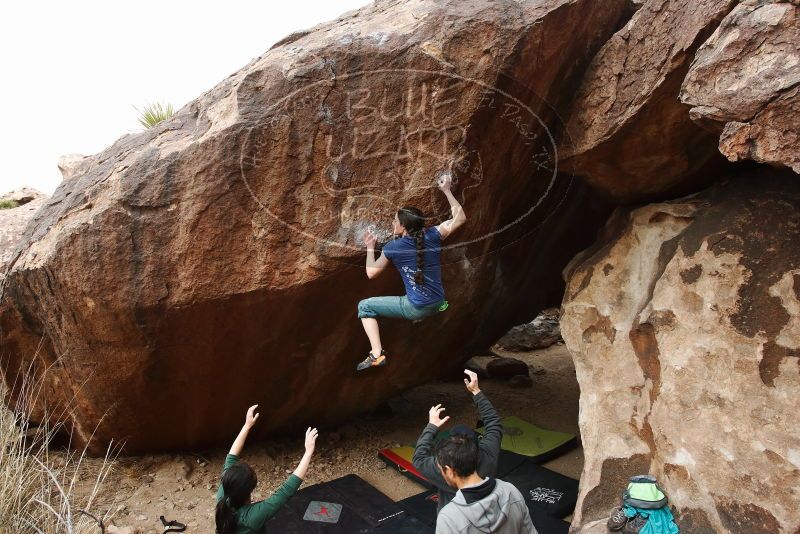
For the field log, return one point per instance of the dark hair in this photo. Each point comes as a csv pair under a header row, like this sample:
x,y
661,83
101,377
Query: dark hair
x,y
238,482
413,220
459,452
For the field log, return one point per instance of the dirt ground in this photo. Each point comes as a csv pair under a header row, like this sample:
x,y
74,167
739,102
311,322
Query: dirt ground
x,y
182,487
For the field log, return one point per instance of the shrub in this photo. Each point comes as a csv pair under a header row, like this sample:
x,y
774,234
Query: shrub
x,y
8,204
154,113
38,487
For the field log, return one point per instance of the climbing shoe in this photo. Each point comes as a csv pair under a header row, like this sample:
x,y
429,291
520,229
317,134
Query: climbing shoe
x,y
634,524
617,519
372,361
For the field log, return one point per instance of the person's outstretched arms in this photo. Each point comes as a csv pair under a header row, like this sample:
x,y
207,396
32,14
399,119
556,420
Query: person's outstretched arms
x,y
238,444
456,210
263,510
249,421
423,458
374,267
490,444
310,444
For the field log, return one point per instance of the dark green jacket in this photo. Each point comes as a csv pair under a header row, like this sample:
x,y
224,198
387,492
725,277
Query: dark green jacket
x,y
251,517
488,450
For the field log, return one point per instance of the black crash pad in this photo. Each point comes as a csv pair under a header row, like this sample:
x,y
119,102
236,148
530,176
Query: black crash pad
x,y
545,491
347,505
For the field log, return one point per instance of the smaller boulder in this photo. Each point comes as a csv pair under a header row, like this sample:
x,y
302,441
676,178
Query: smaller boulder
x,y
23,195
540,333
17,208
520,381
72,165
506,368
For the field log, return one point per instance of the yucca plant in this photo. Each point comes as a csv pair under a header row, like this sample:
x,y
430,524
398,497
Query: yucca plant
x,y
154,113
39,487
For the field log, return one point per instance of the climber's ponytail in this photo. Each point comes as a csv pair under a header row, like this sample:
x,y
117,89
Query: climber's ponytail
x,y
419,236
238,482
226,517
413,220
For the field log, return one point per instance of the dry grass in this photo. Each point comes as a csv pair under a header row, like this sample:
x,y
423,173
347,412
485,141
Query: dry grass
x,y
38,486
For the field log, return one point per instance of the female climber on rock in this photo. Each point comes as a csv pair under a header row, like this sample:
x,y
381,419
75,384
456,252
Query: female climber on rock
x,y
416,254
235,513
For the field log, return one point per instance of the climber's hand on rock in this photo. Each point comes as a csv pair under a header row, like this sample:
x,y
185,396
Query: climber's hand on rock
x,y
251,417
435,416
311,440
445,182
472,382
370,238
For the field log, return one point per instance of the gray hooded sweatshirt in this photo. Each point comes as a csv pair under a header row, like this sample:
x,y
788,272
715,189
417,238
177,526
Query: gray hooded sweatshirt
x,y
491,507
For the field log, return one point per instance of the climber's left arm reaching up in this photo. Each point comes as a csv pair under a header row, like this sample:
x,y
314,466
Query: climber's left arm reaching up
x,y
456,210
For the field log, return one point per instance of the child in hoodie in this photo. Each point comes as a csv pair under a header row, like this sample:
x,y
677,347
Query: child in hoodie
x,y
481,505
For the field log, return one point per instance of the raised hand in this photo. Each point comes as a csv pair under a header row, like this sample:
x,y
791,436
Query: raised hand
x,y
311,440
435,416
472,382
251,417
370,238
445,181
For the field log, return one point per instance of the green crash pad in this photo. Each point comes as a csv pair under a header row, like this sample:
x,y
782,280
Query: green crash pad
x,y
539,444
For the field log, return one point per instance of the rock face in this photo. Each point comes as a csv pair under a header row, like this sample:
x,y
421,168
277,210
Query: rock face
x,y
14,220
684,323
745,83
627,133
215,261
540,333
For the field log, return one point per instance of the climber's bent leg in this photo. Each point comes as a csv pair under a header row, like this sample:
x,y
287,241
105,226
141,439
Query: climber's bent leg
x,y
382,307
413,312
368,311
373,333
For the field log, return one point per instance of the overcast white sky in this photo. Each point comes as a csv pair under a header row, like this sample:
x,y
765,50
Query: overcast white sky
x,y
70,72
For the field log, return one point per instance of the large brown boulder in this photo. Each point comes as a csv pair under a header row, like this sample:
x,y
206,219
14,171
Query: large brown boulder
x,y
684,324
745,83
215,261
627,133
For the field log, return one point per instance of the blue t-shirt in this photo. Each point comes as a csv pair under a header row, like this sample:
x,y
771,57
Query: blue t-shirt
x,y
402,253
